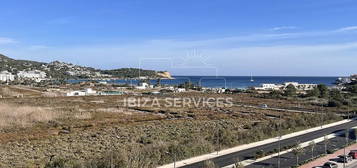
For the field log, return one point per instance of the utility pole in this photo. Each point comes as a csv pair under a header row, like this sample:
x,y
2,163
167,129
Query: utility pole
x,y
325,143
279,139
344,157
348,110
322,119
218,139
344,148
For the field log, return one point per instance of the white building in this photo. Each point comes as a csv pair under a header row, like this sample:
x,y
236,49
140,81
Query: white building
x,y
34,75
144,85
86,92
298,86
346,80
90,91
6,76
220,90
269,86
179,90
76,93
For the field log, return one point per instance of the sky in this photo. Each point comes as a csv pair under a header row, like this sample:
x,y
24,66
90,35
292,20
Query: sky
x,y
187,37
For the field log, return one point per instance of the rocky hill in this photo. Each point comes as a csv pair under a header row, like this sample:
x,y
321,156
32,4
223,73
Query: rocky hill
x,y
165,74
62,70
13,65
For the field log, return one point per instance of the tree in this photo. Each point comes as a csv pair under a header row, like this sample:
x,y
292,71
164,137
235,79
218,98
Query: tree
x,y
326,141
334,103
290,90
336,95
297,151
313,93
238,164
352,88
312,144
275,94
323,89
337,99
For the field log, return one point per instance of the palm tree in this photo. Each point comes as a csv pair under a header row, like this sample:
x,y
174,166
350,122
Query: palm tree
x,y
238,164
326,141
297,150
312,144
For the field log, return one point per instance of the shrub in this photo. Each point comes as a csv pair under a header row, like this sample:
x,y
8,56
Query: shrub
x,y
209,164
334,103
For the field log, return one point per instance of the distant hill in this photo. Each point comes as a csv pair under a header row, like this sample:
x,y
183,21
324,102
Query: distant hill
x,y
13,65
62,70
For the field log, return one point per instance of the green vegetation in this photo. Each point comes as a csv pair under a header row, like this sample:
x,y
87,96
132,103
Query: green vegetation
x,y
190,85
290,91
322,94
149,152
130,73
297,151
14,66
321,91
352,88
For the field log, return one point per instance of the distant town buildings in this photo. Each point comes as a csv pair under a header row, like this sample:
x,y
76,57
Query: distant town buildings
x,y
179,90
91,92
283,86
35,75
214,90
300,86
347,80
6,76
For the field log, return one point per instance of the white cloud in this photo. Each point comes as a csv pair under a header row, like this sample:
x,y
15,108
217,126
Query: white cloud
x,y
5,40
350,28
283,28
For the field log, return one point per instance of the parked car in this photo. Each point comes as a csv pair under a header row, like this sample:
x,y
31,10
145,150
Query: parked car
x,y
344,158
330,164
353,154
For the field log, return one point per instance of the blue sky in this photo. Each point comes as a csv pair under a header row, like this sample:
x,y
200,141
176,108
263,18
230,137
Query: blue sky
x,y
187,37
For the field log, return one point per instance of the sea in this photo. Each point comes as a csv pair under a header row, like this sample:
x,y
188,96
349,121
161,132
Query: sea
x,y
231,82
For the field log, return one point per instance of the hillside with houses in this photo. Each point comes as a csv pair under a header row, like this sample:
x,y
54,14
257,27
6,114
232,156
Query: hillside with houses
x,y
12,69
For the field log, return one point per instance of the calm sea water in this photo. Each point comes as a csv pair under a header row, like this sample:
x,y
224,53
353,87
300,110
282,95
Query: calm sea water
x,y
233,81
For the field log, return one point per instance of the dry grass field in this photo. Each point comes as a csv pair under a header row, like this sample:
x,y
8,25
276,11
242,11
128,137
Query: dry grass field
x,y
38,131
24,116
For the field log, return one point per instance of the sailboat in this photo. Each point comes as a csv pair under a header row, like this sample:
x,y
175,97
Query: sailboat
x,y
251,78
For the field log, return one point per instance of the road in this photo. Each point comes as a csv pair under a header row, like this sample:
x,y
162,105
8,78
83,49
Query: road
x,y
287,159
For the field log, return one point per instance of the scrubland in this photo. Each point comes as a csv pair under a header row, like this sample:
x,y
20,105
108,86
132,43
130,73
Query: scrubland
x,y
98,131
